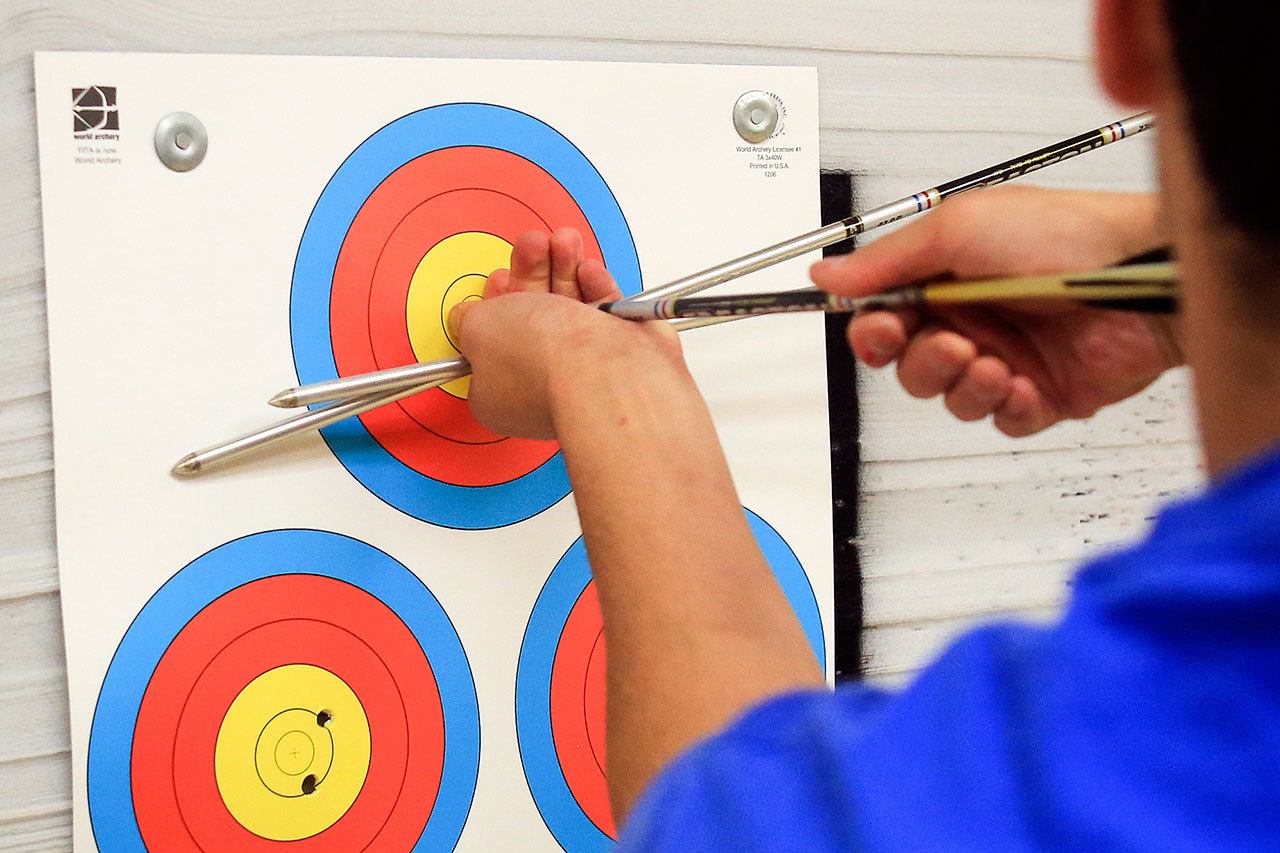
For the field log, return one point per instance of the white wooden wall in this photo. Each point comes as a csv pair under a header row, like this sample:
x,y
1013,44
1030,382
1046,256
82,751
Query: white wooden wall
x,y
958,523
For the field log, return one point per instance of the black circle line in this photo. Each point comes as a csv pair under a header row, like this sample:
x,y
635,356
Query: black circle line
x,y
515,700
377,263
264,728
591,746
444,322
310,216
520,664
425,589
373,651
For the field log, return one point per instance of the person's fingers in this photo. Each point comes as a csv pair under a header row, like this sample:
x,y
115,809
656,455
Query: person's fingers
x,y
531,263
566,256
981,390
879,337
498,283
1025,411
933,360
596,282
911,254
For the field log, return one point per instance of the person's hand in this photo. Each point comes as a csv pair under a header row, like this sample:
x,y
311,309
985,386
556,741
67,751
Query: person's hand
x,y
528,335
1028,365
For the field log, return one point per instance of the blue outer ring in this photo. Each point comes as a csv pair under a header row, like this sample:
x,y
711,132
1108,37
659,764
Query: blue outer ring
x,y
251,558
408,137
568,823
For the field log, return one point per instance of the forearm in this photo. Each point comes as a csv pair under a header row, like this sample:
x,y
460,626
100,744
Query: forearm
x,y
696,626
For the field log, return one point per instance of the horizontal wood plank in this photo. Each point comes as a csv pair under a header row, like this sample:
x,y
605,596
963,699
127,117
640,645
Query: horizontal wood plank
x,y
1034,28
895,651
37,833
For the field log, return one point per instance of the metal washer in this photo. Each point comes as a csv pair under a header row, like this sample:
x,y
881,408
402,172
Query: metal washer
x,y
181,141
755,116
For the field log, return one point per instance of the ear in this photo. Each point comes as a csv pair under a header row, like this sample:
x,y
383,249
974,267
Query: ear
x,y
1134,51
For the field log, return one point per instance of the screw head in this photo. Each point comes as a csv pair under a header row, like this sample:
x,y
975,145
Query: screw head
x,y
755,116
181,141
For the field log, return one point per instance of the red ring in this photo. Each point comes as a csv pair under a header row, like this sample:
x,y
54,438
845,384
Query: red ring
x,y
577,709
503,194
305,603
426,225
298,641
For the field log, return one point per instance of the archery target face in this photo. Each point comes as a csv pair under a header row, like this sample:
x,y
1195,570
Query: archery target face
x,y
560,690
410,225
291,687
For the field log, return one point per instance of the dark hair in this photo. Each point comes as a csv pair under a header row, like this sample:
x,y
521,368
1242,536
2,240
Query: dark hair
x,y
1226,55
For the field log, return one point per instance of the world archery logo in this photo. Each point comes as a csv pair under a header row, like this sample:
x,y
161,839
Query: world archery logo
x,y
94,108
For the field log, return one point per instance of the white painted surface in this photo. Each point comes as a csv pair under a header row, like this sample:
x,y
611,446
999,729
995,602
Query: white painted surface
x,y
958,523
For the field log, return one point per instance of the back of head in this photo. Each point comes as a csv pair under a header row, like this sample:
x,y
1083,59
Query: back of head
x,y
1224,53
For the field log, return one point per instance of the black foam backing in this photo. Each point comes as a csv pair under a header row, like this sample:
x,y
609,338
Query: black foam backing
x,y
838,198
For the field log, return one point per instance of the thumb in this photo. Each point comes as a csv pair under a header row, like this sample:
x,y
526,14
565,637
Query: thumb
x,y
907,256
458,320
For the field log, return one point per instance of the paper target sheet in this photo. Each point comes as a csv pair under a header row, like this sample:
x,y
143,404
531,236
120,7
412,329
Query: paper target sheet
x,y
385,635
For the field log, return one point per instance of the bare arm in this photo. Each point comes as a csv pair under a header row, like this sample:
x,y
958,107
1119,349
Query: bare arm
x,y
696,626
